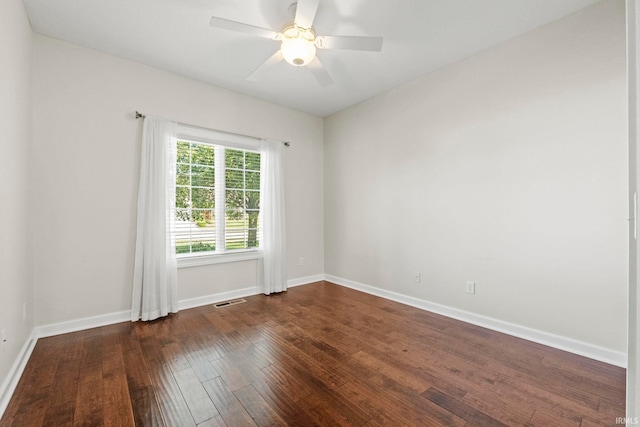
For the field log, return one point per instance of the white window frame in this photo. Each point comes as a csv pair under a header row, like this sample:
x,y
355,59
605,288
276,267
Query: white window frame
x,y
222,140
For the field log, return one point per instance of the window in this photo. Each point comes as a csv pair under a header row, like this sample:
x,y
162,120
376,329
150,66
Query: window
x,y
217,199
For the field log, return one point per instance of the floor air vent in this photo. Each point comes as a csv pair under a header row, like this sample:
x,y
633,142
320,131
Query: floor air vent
x,y
228,303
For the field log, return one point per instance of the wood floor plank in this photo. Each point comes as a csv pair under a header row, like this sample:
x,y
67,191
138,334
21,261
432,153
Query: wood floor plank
x,y
543,419
174,357
173,407
415,382
147,412
485,400
293,383
318,354
140,387
216,421
417,406
198,401
88,407
301,361
328,354
281,399
461,409
230,408
329,409
45,369
537,397
232,374
390,410
136,369
258,408
60,415
116,402
65,383
199,352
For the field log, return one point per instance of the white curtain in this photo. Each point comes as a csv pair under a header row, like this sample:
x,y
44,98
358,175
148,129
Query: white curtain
x,y
272,205
155,292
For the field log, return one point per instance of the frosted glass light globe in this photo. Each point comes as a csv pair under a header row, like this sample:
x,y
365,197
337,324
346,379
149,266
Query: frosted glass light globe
x,y
298,46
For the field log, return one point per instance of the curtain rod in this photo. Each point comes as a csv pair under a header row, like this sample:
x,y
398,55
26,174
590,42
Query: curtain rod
x,y
139,115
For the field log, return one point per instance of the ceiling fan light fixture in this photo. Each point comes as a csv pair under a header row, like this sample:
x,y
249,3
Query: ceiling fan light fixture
x,y
298,47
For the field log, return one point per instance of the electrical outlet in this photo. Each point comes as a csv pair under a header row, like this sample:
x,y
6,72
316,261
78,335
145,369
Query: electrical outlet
x,y
471,288
300,261
416,277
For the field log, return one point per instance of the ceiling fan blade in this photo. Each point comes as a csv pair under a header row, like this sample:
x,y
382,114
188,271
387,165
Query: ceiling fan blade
x,y
266,65
349,43
320,73
240,27
306,12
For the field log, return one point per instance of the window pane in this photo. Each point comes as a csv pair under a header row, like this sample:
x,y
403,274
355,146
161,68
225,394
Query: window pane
x,y
202,198
252,161
203,217
183,215
235,239
182,174
202,176
234,200
182,197
234,178
234,243
252,219
253,180
183,246
203,154
234,158
235,221
235,235
204,245
252,238
252,199
183,152
252,232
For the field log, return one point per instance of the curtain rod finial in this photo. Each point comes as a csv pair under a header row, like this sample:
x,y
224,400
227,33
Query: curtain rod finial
x,y
139,115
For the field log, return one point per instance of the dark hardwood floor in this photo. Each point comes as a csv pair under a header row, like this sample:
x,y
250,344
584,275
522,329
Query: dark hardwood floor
x,y
318,354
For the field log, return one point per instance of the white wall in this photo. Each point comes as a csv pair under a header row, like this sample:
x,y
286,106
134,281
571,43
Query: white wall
x,y
15,216
86,164
507,169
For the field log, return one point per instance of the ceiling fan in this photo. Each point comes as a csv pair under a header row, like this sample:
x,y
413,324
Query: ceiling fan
x,y
299,41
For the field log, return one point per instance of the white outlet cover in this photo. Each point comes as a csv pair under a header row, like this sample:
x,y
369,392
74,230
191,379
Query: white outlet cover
x,y
471,287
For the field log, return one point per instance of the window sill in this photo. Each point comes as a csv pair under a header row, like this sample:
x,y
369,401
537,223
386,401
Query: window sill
x,y
235,256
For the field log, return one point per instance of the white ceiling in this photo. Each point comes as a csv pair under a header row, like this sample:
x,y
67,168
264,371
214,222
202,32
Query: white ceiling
x,y
420,36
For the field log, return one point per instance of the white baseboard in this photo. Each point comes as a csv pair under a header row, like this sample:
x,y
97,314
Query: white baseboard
x,y
214,298
241,293
556,341
81,324
305,280
11,381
